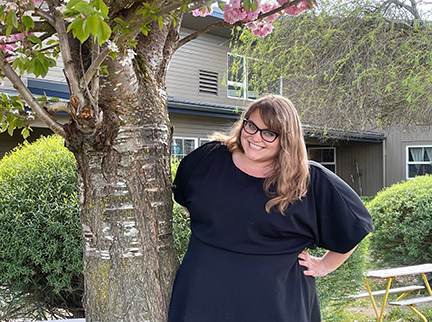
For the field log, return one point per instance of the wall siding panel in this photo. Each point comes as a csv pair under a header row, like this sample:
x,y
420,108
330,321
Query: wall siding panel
x,y
396,145
208,52
359,164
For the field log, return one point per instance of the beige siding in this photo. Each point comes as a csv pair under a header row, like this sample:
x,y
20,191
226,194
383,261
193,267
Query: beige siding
x,y
54,74
196,126
359,164
207,52
396,150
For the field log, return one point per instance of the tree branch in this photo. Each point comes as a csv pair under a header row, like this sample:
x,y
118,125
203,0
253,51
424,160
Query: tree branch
x,y
136,29
41,26
225,24
29,98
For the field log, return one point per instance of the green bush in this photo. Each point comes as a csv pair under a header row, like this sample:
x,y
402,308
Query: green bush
x,y
402,217
40,234
181,221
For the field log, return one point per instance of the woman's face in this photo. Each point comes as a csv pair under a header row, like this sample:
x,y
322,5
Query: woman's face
x,y
255,148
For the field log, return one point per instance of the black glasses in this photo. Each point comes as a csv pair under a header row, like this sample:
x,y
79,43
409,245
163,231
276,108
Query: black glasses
x,y
266,135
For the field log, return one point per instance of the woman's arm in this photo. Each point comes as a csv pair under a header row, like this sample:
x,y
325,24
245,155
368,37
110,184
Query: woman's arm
x,y
322,266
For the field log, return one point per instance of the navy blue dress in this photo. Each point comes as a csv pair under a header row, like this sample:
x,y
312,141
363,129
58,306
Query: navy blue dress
x,y
241,264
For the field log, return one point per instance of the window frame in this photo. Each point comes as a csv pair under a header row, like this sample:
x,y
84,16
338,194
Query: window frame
x,y
242,86
408,163
324,163
195,139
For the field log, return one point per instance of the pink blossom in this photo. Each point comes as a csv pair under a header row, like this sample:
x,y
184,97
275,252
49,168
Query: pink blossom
x,y
199,12
282,2
296,10
266,7
251,25
236,4
262,29
228,14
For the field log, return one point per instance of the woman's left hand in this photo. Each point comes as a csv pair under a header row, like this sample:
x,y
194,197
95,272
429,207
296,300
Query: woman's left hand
x,y
316,266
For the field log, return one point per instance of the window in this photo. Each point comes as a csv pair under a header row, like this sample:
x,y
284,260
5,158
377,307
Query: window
x,y
419,159
182,146
238,78
325,156
203,141
247,79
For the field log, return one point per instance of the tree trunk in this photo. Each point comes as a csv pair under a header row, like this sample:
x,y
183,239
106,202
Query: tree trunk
x,y
126,202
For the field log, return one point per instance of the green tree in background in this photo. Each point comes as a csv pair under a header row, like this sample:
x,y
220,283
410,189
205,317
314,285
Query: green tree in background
x,y
348,64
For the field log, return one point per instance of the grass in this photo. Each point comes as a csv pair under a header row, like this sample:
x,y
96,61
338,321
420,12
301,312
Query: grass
x,y
361,310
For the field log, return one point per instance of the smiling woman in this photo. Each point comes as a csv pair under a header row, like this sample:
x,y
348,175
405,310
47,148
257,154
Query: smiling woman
x,y
255,204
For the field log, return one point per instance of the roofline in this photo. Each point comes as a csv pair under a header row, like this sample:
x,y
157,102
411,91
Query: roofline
x,y
181,106
233,112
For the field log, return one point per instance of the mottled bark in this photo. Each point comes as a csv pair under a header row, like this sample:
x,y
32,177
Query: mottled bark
x,y
125,185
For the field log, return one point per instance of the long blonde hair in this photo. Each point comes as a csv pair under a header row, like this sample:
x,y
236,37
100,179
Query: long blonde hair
x,y
290,177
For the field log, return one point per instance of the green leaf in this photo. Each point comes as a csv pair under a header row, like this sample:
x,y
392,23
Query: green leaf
x,y
28,22
247,4
35,40
103,32
10,118
78,30
160,22
72,3
104,8
84,8
254,5
13,18
120,21
18,104
8,31
91,24
74,23
11,129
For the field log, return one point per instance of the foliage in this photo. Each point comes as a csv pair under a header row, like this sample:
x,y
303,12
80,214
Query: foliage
x,y
402,217
344,281
346,65
181,221
105,31
40,233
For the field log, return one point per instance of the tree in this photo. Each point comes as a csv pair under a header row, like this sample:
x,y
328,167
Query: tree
x,y
115,56
351,65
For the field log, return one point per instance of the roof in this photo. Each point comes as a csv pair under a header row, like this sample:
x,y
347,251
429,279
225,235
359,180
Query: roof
x,y
233,112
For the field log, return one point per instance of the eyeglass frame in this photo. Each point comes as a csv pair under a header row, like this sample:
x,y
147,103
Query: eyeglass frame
x,y
246,122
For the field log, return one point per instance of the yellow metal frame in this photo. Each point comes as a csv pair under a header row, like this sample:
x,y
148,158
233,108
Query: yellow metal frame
x,y
380,315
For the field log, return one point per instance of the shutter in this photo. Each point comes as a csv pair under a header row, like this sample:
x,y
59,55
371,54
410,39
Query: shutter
x,y
208,82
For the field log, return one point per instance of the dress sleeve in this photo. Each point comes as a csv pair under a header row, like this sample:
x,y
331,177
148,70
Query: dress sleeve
x,y
185,169
342,219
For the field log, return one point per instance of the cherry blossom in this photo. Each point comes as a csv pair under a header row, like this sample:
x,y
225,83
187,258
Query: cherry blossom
x,y
199,12
234,11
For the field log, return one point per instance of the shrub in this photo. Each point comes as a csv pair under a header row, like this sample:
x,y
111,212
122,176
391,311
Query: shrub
x,y
402,217
40,234
181,221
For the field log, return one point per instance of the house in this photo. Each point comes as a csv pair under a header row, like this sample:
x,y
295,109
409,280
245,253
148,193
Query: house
x,y
200,103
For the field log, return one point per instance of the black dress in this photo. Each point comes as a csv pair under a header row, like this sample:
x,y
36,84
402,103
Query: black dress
x,y
241,264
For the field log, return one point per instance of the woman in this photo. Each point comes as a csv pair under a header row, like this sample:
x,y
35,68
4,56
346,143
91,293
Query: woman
x,y
255,204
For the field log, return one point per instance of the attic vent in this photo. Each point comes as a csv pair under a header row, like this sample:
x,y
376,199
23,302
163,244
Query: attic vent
x,y
208,82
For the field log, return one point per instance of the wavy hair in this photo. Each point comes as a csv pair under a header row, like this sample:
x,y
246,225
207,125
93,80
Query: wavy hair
x,y
290,177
